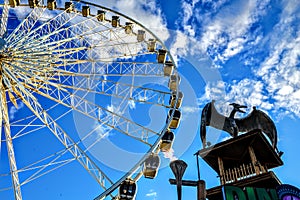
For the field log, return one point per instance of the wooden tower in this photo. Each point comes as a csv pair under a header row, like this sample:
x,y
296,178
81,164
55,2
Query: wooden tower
x,y
242,161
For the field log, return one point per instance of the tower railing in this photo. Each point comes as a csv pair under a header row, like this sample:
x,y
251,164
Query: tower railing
x,y
241,172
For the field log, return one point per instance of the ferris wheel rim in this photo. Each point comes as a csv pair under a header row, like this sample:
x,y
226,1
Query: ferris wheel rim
x,y
155,145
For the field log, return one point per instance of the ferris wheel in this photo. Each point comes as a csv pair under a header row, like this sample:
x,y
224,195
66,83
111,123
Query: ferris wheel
x,y
75,77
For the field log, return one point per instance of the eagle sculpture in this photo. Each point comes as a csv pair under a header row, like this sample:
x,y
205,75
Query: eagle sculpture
x,y
255,120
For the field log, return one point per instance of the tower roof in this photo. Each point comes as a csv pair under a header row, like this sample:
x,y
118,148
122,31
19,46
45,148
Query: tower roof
x,y
234,152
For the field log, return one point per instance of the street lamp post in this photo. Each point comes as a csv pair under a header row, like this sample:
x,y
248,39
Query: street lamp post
x,y
178,167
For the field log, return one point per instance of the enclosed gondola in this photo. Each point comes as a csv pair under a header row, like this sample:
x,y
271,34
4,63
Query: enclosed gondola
x,y
141,35
32,3
85,11
115,21
128,27
168,68
14,3
69,7
51,4
174,81
175,97
127,189
151,166
175,119
161,56
167,141
151,45
101,15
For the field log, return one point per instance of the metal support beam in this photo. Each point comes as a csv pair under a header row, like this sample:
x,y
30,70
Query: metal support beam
x,y
10,149
4,19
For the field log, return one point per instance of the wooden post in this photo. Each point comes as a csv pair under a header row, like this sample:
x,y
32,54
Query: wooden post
x,y
201,190
254,160
200,184
221,169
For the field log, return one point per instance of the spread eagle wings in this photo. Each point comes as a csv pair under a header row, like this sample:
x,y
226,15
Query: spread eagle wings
x,y
257,119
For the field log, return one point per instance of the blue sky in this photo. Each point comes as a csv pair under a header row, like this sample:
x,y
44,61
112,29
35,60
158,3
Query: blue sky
x,y
238,51
246,52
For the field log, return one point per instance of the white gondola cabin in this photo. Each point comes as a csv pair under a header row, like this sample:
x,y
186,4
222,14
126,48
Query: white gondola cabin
x,y
151,166
174,81
33,3
151,45
167,141
14,3
101,15
173,98
161,56
86,11
168,68
51,4
127,189
141,35
128,27
115,21
175,119
69,7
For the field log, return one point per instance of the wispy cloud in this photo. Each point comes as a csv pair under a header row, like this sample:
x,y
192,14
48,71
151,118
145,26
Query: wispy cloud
x,y
131,104
13,110
146,12
152,194
170,155
225,30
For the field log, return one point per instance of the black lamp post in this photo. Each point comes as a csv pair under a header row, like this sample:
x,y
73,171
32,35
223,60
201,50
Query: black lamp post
x,y
178,167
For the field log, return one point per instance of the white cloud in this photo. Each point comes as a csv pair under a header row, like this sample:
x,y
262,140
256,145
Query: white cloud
x,y
222,31
179,46
170,155
280,70
245,92
225,32
146,12
13,110
285,90
152,193
189,109
131,104
101,130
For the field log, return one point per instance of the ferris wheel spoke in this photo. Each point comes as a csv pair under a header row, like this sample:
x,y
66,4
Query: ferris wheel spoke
x,y
9,144
71,48
33,127
31,71
62,36
101,68
57,42
85,38
50,165
4,18
40,34
43,171
115,121
99,136
96,112
27,125
87,28
111,88
25,26
67,141
16,86
115,51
